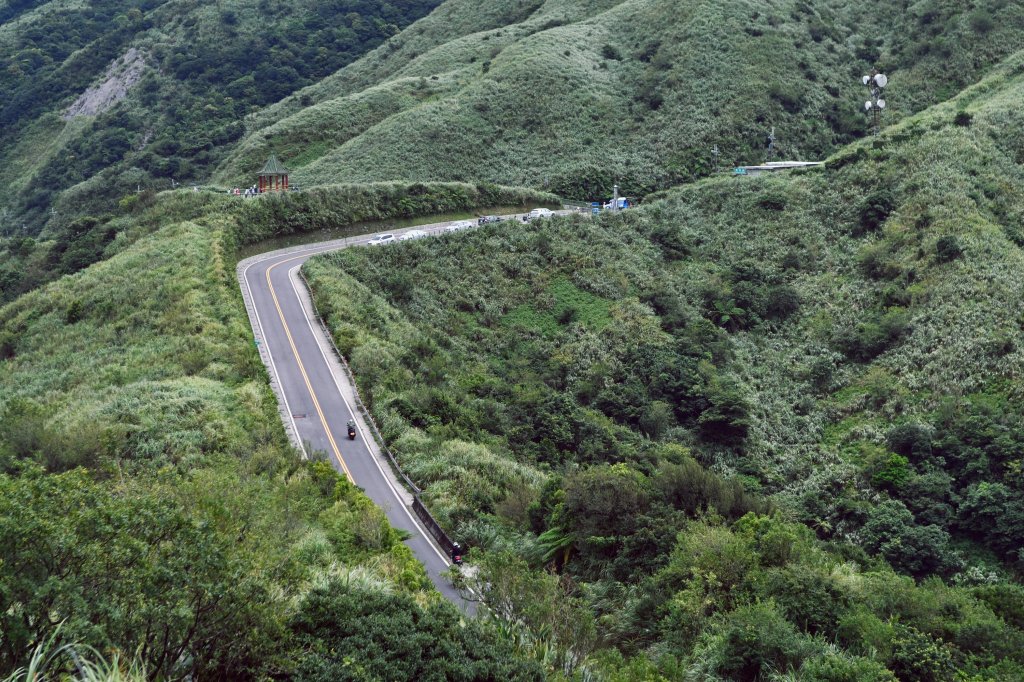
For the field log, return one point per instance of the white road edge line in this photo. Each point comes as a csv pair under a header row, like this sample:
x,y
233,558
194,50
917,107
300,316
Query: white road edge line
x,y
319,344
270,356
314,249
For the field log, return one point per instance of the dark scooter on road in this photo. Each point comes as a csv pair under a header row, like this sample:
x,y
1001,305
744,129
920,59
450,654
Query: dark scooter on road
x,y
351,430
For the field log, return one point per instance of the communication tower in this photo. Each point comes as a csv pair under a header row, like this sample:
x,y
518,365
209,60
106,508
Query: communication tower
x,y
875,83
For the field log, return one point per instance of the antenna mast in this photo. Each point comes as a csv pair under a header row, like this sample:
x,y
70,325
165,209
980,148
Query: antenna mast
x,y
875,82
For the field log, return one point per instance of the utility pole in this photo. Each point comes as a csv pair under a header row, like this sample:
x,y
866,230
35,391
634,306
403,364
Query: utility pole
x,y
771,146
714,153
875,82
615,197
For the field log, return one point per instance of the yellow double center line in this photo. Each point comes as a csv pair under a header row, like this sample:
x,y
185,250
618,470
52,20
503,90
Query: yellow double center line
x,y
302,368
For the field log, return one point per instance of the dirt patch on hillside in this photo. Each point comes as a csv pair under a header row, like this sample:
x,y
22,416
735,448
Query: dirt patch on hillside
x,y
121,75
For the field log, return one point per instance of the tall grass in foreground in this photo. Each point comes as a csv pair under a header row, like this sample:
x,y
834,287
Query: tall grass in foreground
x,y
51,661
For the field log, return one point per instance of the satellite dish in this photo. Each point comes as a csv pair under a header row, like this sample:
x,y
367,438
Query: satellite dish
x,y
867,106
881,80
865,80
881,104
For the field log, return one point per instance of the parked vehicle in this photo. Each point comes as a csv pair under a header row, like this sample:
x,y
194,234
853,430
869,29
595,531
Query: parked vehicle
x,y
484,220
412,234
459,226
541,213
382,239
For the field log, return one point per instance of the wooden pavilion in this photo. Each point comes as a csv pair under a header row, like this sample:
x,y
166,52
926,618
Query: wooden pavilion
x,y
274,176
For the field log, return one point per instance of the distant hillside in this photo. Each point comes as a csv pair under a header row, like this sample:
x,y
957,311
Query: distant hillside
x,y
105,100
571,96
102,97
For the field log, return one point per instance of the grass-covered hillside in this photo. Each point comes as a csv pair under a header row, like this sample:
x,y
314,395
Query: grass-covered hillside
x,y
106,100
150,505
103,96
572,95
739,422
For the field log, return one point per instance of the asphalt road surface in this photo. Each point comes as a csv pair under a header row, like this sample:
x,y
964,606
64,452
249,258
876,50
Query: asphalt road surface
x,y
315,397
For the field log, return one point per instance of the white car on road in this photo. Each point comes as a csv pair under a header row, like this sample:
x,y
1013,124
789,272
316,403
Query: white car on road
x,y
459,225
382,239
412,234
541,213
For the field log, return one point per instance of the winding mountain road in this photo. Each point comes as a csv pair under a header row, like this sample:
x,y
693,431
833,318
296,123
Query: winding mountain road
x,y
314,395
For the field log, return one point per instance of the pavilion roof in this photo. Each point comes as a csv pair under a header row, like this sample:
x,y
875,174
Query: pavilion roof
x,y
273,167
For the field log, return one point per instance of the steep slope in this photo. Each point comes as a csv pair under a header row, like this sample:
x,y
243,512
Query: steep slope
x,y
845,342
571,96
147,92
149,501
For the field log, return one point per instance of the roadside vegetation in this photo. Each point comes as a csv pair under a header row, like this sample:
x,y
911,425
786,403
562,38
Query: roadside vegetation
x,y
759,428
25,263
150,506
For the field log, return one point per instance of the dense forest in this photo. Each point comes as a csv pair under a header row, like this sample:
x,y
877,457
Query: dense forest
x,y
757,426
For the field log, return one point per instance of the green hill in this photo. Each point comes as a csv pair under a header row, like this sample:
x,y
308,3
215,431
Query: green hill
x,y
150,504
647,402
761,428
571,96
102,97
106,100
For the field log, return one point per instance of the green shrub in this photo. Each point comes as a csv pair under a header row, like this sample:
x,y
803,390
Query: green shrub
x,y
870,338
782,302
726,420
948,248
833,668
919,550
757,640
874,211
892,473
377,635
772,201
611,52
918,657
